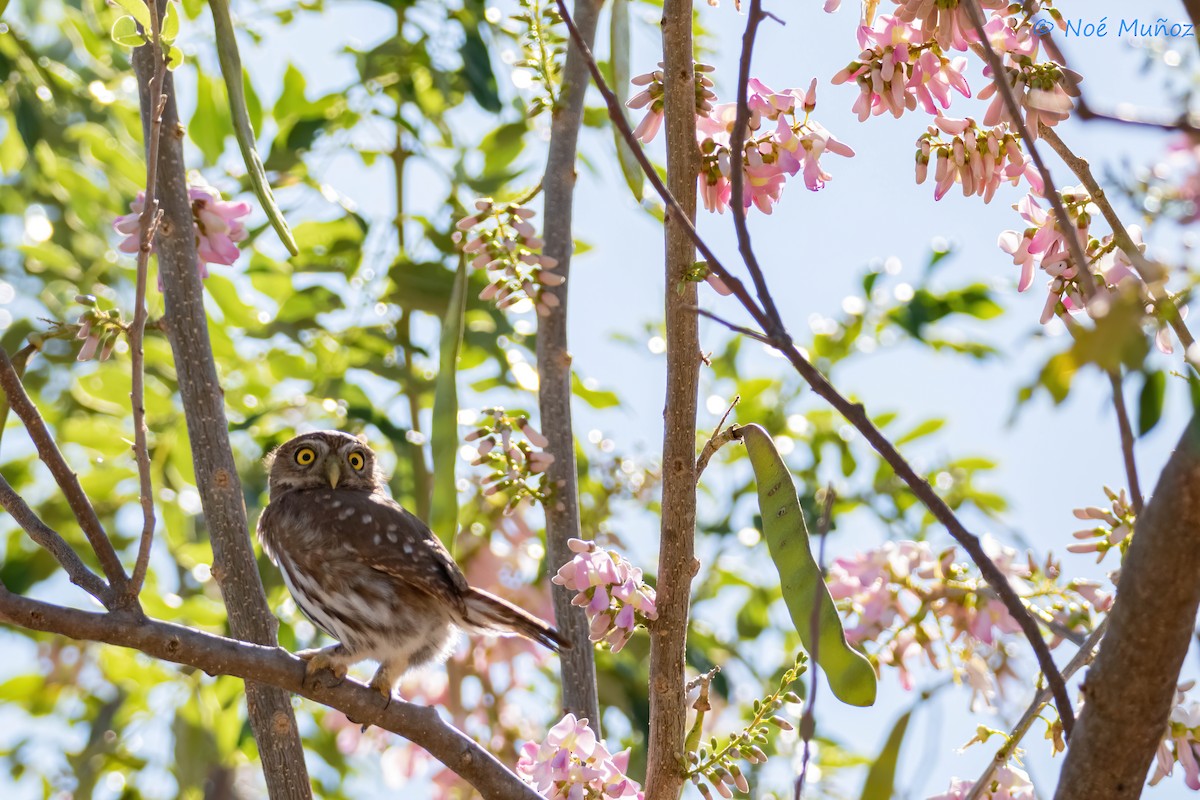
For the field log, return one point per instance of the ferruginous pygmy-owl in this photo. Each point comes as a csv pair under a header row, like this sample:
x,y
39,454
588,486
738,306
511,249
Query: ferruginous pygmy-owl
x,y
367,572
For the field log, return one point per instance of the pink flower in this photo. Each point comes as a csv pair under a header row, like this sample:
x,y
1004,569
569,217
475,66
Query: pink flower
x,y
651,98
1008,783
610,590
948,24
979,160
571,764
218,226
1044,91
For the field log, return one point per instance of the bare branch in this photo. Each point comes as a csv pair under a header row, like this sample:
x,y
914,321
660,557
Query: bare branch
x,y
67,481
217,655
579,693
676,561
147,226
757,336
270,712
854,413
49,539
1081,659
1151,625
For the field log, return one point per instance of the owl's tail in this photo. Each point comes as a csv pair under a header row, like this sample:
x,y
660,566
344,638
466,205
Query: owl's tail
x,y
487,612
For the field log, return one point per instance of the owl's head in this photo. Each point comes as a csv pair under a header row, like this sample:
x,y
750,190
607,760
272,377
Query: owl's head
x,y
322,460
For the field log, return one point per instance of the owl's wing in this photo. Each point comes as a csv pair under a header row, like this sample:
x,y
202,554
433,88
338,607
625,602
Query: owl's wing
x,y
389,539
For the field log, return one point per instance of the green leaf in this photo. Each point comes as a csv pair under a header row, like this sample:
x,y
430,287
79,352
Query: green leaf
x,y
1150,403
210,123
125,33
596,398
170,24
851,676
477,69
881,777
138,9
444,513
924,429
231,71
174,57
619,60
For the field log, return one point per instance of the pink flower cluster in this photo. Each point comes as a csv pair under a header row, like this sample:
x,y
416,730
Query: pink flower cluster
x,y
513,461
1115,530
1044,91
503,241
898,70
1042,245
572,764
218,223
611,591
906,599
1181,742
772,153
947,23
1008,783
979,160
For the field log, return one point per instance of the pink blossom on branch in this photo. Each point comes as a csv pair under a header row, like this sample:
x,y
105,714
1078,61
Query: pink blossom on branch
x,y
572,764
218,226
947,22
1008,782
1044,91
610,589
978,160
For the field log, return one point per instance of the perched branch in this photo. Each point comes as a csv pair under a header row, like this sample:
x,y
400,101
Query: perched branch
x,y
579,694
854,413
147,225
54,544
677,536
67,481
1083,657
1150,628
269,709
217,655
718,439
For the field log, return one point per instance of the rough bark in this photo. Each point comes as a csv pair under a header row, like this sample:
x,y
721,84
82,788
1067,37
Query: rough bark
x,y
1130,689
676,561
271,717
554,371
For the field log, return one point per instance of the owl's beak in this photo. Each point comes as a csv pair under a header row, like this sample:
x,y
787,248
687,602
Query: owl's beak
x,y
334,472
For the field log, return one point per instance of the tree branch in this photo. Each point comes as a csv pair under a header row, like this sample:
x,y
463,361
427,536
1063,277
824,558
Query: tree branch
x,y
66,479
217,655
1150,627
147,225
718,439
269,709
676,560
854,413
54,544
1081,659
1127,440
579,693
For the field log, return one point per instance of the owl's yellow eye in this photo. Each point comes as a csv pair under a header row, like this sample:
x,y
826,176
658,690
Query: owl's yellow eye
x,y
356,460
305,456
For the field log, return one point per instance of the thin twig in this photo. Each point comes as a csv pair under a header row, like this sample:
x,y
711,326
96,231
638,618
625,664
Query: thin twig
x,y
718,439
758,336
1081,659
1127,440
1000,78
20,360
808,722
67,481
53,543
147,226
737,146
854,413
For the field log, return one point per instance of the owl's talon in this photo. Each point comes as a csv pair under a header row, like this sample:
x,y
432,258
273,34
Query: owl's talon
x,y
325,658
